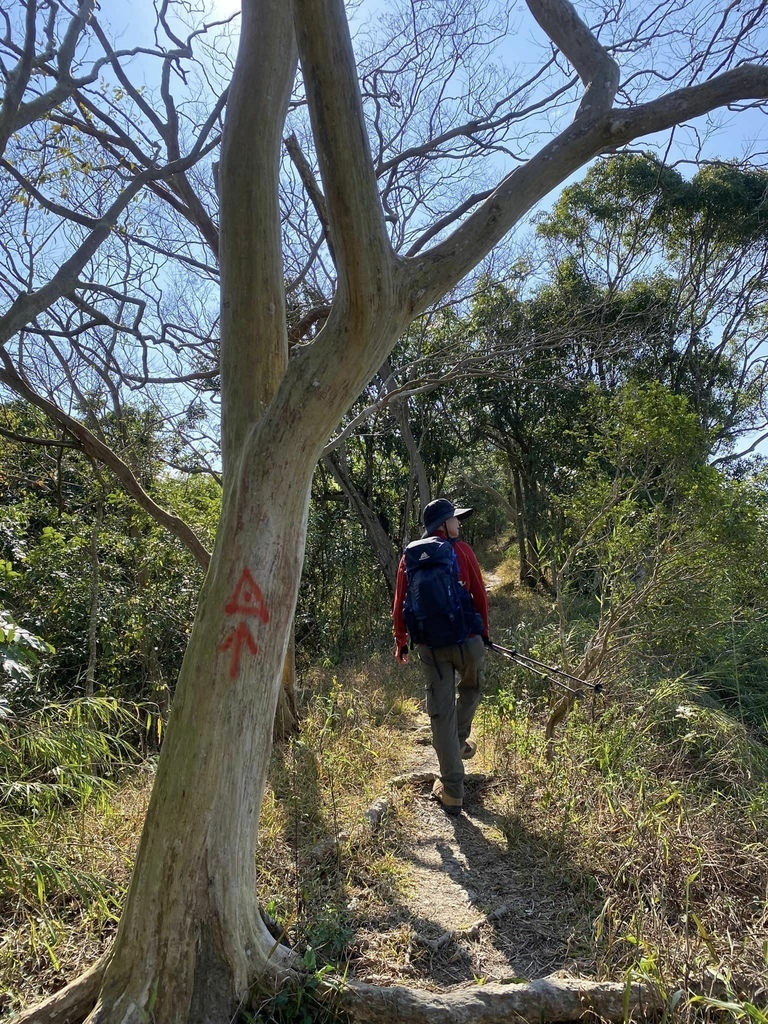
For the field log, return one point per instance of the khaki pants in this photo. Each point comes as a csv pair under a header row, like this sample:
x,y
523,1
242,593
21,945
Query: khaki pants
x,y
451,715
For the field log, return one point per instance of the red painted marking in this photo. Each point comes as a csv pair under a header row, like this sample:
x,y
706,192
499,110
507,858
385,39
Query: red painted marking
x,y
236,639
247,598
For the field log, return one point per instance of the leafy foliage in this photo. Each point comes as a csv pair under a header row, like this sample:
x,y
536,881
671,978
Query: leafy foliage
x,y
148,584
20,651
56,759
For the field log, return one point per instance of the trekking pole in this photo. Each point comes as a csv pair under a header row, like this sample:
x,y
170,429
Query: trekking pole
x,y
597,687
514,656
540,668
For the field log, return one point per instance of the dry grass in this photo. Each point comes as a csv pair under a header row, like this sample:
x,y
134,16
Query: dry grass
x,y
50,936
637,815
321,783
656,814
649,830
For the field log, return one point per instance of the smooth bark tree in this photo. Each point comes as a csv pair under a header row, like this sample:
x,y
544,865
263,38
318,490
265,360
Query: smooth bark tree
x,y
93,617
191,943
369,520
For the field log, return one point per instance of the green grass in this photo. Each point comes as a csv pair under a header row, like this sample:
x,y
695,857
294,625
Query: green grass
x,y
68,821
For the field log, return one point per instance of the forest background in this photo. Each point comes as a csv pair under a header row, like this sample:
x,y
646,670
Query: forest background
x,y
596,393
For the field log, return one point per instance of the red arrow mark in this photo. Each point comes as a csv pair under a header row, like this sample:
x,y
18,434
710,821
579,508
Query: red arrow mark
x,y
235,640
247,598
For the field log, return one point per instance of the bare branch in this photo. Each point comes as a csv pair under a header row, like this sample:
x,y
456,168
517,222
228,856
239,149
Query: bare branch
x,y
314,191
61,211
746,82
595,67
41,442
442,266
307,322
447,220
28,305
16,81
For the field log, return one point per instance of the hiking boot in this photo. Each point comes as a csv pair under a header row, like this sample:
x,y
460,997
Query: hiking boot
x,y
469,750
450,804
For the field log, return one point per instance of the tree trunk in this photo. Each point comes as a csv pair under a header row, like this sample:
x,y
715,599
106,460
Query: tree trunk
x,y
418,470
191,940
405,532
93,615
526,575
399,408
377,535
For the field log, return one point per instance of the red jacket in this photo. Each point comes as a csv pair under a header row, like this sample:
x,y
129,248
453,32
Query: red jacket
x,y
469,577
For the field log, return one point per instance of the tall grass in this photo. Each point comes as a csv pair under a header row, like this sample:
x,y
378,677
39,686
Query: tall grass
x,y
64,854
655,811
657,807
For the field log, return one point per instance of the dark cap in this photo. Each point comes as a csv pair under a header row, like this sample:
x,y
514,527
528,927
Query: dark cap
x,y
437,511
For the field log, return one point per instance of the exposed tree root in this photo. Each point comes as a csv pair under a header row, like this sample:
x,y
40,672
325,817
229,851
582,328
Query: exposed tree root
x,y
71,1004
420,778
546,1000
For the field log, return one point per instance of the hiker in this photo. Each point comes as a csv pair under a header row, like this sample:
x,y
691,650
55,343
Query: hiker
x,y
441,601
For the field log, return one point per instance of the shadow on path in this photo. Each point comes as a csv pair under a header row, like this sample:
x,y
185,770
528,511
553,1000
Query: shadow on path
x,y
458,870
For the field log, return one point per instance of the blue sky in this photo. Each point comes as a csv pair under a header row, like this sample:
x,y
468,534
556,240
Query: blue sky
x,y
726,134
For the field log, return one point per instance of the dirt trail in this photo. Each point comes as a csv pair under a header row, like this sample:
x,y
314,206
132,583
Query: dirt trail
x,y
457,871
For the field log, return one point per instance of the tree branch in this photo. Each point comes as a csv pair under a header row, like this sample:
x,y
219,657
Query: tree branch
x,y
749,81
96,449
356,220
17,80
441,267
41,442
311,187
47,204
594,65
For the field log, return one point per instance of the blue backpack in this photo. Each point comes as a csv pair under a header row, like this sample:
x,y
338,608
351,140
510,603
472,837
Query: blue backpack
x,y
437,610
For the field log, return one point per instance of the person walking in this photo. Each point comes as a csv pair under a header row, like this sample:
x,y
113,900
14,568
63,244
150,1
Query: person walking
x,y
441,601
